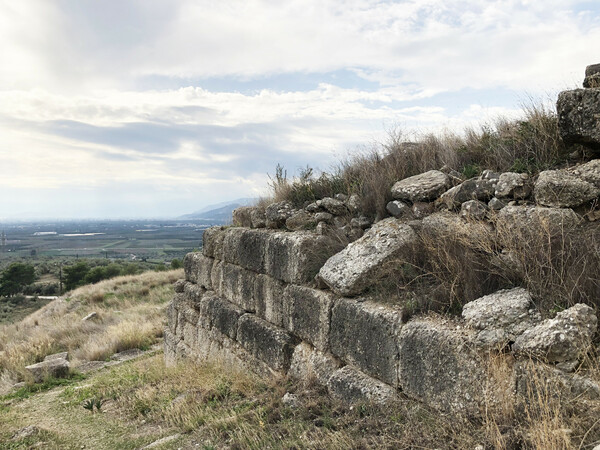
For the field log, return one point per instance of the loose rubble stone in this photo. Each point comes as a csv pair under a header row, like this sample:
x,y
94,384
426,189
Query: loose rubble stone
x,y
301,220
496,204
397,208
352,270
592,76
277,213
562,339
258,218
578,121
57,368
61,355
501,316
242,216
535,221
365,335
422,209
351,385
323,217
560,189
473,189
353,203
514,185
333,206
448,226
589,172
423,187
290,400
473,209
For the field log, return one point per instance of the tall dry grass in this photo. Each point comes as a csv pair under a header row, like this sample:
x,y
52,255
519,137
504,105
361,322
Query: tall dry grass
x,y
130,314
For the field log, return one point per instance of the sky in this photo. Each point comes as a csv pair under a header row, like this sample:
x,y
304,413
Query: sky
x,y
156,108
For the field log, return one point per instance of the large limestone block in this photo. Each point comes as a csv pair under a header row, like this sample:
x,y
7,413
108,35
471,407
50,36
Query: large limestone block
x,y
269,298
237,285
297,257
308,314
592,77
266,342
309,363
170,347
473,189
212,242
590,172
423,187
579,116
197,269
221,315
192,294
242,216
56,367
501,317
560,189
362,262
449,227
365,334
277,213
245,248
535,221
563,339
439,366
515,185
172,314
351,385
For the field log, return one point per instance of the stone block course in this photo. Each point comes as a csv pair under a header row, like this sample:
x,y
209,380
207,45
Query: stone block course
x,y
221,315
351,385
269,298
197,269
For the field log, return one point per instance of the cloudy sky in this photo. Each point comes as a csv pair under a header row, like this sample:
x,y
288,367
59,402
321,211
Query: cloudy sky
x,y
155,108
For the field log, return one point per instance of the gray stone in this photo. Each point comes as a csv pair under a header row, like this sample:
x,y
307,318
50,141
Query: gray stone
x,y
258,218
439,367
446,226
197,268
57,368
290,400
501,317
310,364
242,216
301,220
333,206
277,213
323,217
423,187
420,210
170,342
249,250
535,221
341,197
61,355
578,113
172,314
592,76
269,299
473,210
221,315
359,265
353,203
179,285
237,285
351,386
496,204
473,189
266,342
91,316
192,294
312,207
365,335
513,185
589,172
162,441
565,338
560,189
308,313
212,242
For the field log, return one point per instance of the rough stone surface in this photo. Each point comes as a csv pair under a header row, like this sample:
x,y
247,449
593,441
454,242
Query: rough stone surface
x,y
592,76
535,221
440,367
501,317
221,315
57,368
170,345
514,185
308,312
589,172
560,189
242,216
448,226
333,206
266,342
578,116
351,386
258,218
91,316
277,213
473,189
564,338
365,335
308,363
61,355
323,217
237,285
301,220
212,242
397,208
352,270
496,204
269,298
473,210
197,269
423,187
353,203
420,210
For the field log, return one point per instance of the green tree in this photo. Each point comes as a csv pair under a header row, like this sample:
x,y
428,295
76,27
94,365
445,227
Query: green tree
x,y
75,275
176,264
15,277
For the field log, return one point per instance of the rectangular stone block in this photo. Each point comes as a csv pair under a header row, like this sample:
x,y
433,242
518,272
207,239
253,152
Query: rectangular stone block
x,y
365,334
297,257
269,299
190,333
192,294
309,363
221,315
197,269
170,347
236,284
351,386
246,248
172,314
308,314
212,242
266,342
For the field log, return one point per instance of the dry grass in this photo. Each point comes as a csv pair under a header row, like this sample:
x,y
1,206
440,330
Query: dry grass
x,y
130,315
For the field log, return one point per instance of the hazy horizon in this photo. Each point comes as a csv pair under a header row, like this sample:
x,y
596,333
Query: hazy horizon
x,y
155,109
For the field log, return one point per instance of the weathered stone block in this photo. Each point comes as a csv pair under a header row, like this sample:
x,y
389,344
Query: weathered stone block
x,y
192,294
242,216
351,386
57,368
578,116
269,298
297,257
198,268
170,347
266,342
308,314
365,334
237,285
212,242
308,363
423,187
250,250
179,285
221,314
561,189
364,261
535,221
172,314
440,367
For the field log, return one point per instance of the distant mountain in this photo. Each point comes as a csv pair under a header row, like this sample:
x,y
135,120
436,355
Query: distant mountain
x,y
219,212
